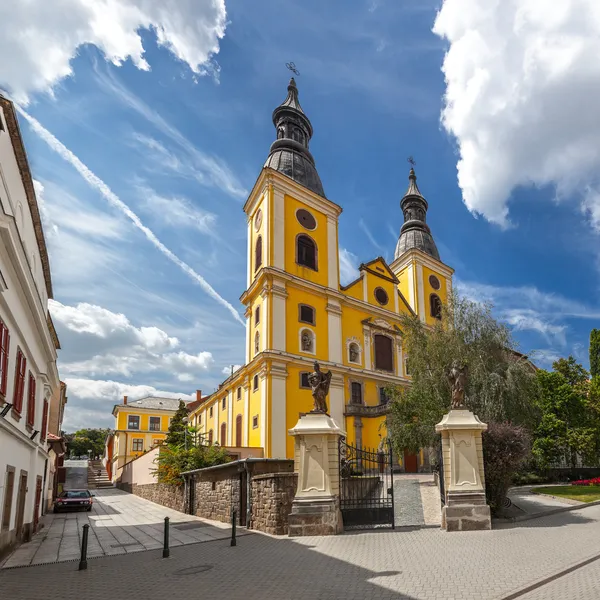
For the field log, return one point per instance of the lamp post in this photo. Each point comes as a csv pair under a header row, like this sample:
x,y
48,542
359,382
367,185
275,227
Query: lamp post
x,y
185,422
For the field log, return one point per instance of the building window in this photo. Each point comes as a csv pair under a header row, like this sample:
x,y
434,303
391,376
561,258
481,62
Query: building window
x,y
223,434
138,445
257,316
435,305
306,252
154,423
19,382
255,422
354,353
238,431
44,429
307,341
4,348
31,401
200,419
381,296
210,437
304,380
258,253
356,393
224,403
239,393
133,422
256,343
384,357
255,383
383,396
9,488
306,314
210,412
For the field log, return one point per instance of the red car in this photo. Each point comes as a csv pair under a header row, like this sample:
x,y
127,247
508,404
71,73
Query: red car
x,y
74,500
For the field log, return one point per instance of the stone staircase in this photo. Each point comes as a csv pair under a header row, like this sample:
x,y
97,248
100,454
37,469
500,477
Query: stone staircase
x,y
96,480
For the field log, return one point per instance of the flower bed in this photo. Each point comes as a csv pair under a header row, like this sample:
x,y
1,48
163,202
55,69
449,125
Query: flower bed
x,y
594,481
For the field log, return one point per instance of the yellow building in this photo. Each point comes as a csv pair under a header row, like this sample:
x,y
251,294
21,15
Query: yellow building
x,y
298,313
139,426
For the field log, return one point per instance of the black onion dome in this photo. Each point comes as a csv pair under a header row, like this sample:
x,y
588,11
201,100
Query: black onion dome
x,y
289,153
415,232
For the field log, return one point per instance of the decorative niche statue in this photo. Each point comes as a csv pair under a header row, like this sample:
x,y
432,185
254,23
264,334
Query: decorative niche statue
x,y
319,382
353,353
457,377
306,341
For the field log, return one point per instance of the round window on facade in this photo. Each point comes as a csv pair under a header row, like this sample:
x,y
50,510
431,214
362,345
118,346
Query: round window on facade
x,y
306,219
258,220
381,296
434,282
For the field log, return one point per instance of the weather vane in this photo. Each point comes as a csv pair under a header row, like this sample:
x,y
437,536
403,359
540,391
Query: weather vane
x,y
292,67
412,161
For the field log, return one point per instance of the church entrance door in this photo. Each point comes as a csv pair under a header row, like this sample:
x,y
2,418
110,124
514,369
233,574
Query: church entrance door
x,y
410,462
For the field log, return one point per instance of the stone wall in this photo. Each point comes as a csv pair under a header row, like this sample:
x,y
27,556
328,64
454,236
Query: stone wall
x,y
272,496
218,494
170,496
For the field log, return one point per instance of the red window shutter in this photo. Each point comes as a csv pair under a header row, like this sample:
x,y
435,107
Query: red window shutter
x,y
4,347
31,400
45,420
19,382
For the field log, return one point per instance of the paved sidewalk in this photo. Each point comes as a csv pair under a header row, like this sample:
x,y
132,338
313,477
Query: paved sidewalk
x,y
423,564
533,504
120,523
416,500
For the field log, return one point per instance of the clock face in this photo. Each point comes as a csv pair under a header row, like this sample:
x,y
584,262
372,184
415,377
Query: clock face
x,y
306,219
434,282
258,220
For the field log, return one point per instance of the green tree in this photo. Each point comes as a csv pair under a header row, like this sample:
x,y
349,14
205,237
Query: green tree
x,y
595,353
569,424
174,460
83,440
177,427
501,385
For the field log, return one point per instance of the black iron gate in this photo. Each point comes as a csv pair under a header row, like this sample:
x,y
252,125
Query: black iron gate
x,y
366,486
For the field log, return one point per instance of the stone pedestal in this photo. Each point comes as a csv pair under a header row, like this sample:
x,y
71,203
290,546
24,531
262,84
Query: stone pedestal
x,y
316,509
464,480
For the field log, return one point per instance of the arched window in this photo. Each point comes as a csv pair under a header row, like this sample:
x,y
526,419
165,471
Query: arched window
x,y
210,437
238,431
435,305
353,353
223,434
297,135
306,252
384,356
256,343
258,253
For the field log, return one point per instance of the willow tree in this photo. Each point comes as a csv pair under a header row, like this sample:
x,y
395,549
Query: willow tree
x,y
501,383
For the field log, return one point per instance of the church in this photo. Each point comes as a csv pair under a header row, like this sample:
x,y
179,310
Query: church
x,y
297,312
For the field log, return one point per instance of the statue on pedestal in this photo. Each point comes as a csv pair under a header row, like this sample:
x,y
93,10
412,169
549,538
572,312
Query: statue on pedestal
x,y
319,382
457,377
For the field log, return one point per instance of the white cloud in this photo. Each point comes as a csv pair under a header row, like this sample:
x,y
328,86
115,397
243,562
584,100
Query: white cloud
x,y
95,182
41,37
530,320
523,78
370,236
348,266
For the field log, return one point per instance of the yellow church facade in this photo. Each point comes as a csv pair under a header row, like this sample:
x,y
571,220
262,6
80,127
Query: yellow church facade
x,y
297,312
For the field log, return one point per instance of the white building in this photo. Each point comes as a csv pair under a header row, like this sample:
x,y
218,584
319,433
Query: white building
x,y
28,342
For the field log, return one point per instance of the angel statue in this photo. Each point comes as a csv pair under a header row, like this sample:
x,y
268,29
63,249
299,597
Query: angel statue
x,y
457,377
319,382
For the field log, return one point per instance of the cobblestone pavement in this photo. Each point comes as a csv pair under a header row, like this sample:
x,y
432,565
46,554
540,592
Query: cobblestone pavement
x,y
420,564
120,523
416,500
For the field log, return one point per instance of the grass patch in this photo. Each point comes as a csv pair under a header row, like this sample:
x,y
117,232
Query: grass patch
x,y
583,493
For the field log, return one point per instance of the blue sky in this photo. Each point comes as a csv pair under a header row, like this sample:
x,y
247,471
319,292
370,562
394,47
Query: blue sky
x,y
181,149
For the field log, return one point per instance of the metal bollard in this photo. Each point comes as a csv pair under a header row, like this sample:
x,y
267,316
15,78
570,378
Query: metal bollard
x,y
233,519
166,551
84,543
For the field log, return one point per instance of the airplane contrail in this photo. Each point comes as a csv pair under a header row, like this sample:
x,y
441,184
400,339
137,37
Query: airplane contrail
x,y
97,183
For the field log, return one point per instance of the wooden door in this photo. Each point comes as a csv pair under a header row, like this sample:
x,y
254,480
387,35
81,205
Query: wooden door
x,y
22,495
38,500
410,462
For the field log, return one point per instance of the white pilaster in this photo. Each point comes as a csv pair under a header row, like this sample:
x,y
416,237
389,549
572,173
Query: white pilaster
x,y
248,336
365,287
278,229
278,411
399,358
249,257
336,400
230,401
246,418
333,279
265,320
411,286
396,300
367,349
421,292
334,324
266,228
278,300
263,411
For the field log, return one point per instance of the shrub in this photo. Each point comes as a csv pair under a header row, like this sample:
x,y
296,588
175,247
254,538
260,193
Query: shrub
x,y
505,448
174,460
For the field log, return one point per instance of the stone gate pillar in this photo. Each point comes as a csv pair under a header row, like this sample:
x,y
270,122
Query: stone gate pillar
x,y
316,506
464,479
